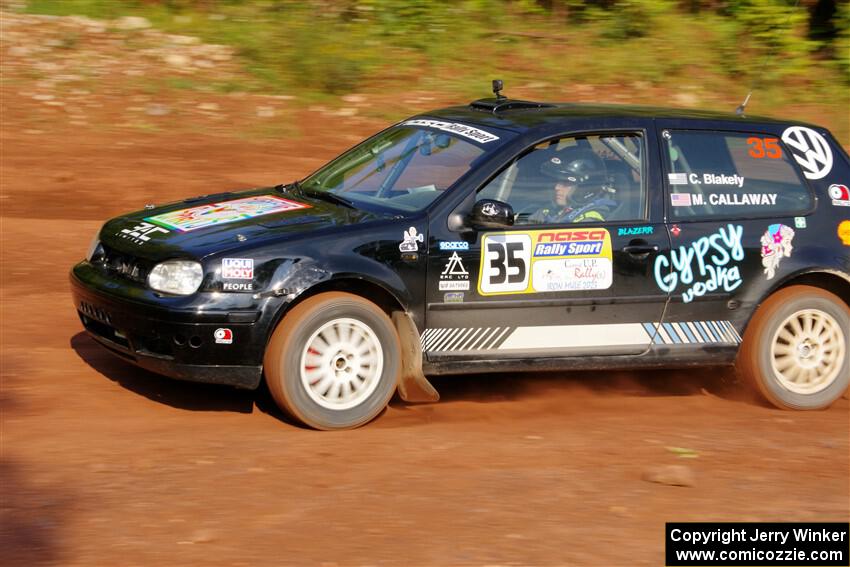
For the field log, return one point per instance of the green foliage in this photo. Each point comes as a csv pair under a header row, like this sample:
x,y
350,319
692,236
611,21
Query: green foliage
x,y
626,19
775,29
321,48
842,47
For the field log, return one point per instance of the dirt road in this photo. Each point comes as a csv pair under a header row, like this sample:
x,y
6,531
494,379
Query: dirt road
x,y
105,464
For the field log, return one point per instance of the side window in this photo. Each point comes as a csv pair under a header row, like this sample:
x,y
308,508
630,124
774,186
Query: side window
x,y
574,179
731,174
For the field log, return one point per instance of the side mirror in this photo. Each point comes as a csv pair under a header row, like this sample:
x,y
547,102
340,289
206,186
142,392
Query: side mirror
x,y
489,213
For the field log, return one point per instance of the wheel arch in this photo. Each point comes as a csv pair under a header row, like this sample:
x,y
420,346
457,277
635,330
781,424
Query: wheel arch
x,y
833,281
413,385
367,289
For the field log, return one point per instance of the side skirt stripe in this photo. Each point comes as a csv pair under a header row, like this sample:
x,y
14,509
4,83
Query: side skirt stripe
x,y
465,339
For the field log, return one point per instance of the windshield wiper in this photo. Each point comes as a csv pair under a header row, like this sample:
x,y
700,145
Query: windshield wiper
x,y
294,187
327,196
299,190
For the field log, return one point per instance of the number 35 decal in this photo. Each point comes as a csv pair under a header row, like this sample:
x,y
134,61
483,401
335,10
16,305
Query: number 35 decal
x,y
504,266
767,147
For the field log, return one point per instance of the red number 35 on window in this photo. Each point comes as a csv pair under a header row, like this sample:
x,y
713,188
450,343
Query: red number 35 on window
x,y
768,147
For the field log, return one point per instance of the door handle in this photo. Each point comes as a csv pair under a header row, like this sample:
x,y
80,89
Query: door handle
x,y
640,249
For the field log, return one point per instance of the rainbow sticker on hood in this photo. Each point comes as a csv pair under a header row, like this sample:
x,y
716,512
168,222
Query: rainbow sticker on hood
x,y
202,216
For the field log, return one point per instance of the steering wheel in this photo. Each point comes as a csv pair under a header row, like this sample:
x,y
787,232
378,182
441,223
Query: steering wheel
x,y
527,211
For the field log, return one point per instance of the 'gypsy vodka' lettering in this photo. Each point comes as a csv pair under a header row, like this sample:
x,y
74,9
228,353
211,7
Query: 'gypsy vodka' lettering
x,y
704,265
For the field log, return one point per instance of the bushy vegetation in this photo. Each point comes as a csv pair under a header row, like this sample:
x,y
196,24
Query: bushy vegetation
x,y
798,53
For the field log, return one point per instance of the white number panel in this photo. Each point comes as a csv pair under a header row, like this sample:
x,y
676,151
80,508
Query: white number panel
x,y
505,261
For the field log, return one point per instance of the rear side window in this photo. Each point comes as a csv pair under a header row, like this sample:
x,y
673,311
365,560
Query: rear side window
x,y
731,174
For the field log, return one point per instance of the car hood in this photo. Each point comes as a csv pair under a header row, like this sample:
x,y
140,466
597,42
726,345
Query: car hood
x,y
202,225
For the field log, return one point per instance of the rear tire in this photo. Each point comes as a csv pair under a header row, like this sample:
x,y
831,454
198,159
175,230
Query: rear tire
x,y
334,361
795,349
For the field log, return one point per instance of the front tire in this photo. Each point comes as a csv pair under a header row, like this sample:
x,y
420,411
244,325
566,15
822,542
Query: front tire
x,y
795,349
334,361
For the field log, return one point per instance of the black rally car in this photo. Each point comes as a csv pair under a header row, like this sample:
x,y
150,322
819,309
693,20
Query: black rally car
x,y
503,235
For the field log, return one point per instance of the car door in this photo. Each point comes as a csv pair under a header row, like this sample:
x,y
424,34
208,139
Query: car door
x,y
736,202
553,287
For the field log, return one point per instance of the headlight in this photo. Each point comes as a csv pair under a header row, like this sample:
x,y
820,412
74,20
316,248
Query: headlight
x,y
181,277
94,247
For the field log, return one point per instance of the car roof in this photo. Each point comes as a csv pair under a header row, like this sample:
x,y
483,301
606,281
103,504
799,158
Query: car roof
x,y
520,115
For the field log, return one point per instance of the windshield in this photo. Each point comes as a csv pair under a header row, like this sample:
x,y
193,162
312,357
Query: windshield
x,y
405,167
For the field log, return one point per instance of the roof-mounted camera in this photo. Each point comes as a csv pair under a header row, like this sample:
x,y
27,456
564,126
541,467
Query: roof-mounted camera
x,y
498,86
502,103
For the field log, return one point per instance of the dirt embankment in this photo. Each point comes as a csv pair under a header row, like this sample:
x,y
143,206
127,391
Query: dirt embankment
x,y
105,464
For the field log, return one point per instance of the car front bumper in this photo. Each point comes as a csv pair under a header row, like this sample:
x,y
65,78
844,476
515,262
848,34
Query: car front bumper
x,y
179,343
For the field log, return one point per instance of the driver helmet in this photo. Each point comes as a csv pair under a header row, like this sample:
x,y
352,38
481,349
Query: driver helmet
x,y
579,166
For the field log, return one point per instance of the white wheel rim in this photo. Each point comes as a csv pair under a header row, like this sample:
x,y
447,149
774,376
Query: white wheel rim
x,y
341,364
807,351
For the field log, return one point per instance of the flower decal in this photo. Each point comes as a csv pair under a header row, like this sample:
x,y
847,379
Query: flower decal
x,y
775,245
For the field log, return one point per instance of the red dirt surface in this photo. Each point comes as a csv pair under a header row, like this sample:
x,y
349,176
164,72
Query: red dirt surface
x,y
106,464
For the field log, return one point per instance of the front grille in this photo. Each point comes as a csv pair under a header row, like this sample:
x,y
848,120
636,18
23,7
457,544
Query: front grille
x,y
103,329
95,312
125,266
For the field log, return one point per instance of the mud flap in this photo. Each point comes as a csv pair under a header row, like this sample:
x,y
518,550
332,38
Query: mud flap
x,y
412,384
